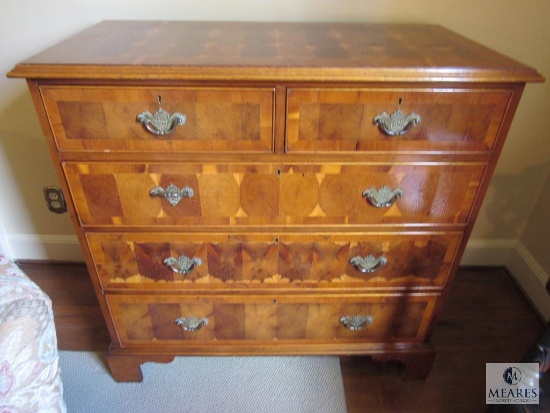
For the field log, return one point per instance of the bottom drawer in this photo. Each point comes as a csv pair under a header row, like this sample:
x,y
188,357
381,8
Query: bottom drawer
x,y
172,319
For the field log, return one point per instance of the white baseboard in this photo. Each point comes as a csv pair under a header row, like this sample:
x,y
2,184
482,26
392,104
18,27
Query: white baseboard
x,y
45,247
523,267
531,278
67,248
487,252
5,248
510,253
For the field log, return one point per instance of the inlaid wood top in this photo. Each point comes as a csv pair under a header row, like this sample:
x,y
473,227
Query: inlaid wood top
x,y
272,51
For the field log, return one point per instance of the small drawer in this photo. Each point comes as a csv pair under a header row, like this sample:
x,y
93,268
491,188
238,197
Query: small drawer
x,y
428,121
169,261
135,194
85,118
271,319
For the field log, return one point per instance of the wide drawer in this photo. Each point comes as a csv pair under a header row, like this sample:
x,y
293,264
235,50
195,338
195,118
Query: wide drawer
x,y
136,194
215,320
170,261
430,121
85,118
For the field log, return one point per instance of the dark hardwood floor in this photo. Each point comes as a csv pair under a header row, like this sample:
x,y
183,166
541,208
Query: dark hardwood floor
x,y
486,319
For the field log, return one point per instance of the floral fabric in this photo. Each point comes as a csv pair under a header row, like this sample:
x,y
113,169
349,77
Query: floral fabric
x,y
30,379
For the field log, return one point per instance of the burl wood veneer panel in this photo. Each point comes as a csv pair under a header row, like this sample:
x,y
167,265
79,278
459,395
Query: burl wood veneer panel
x,y
264,261
105,118
342,120
270,319
264,194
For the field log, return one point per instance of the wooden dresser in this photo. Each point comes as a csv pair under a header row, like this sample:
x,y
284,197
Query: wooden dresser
x,y
272,188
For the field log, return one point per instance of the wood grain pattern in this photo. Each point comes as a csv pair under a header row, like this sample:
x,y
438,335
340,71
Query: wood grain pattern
x,y
253,51
341,120
266,261
267,194
142,319
104,118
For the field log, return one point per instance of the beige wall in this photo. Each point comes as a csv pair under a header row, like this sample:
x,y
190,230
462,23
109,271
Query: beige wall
x,y
516,28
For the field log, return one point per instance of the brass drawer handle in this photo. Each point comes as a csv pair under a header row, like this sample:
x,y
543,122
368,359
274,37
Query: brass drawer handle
x,y
191,323
161,122
382,197
356,322
368,264
172,193
397,123
183,264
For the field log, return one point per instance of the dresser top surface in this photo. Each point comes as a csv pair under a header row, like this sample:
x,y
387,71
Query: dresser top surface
x,y
174,50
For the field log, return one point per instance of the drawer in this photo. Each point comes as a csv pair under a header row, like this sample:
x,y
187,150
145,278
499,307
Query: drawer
x,y
431,120
218,320
198,261
86,118
292,195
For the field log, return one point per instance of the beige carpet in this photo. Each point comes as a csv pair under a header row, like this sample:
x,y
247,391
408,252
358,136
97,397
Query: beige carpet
x,y
206,385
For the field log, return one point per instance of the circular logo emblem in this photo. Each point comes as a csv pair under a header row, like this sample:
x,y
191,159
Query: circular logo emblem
x,y
512,375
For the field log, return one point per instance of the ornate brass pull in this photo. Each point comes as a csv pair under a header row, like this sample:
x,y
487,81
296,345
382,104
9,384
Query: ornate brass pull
x,y
382,197
356,322
161,122
397,123
368,264
172,193
183,264
191,323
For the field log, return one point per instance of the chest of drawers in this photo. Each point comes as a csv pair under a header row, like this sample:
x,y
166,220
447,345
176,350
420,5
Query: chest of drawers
x,y
272,188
